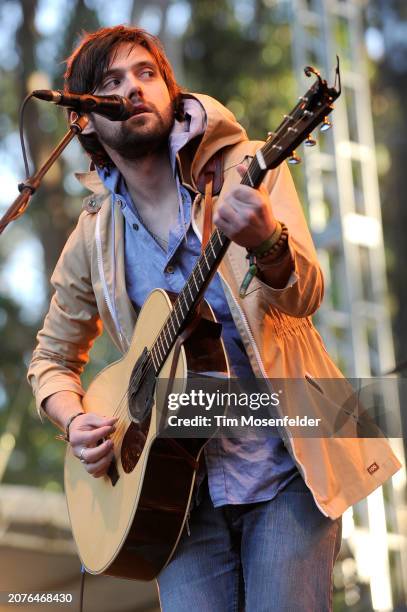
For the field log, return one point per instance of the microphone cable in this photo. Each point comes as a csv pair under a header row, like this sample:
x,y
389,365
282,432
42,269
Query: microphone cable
x,y
82,587
21,130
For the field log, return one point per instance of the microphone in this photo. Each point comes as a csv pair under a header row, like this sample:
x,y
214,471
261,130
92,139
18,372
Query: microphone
x,y
115,108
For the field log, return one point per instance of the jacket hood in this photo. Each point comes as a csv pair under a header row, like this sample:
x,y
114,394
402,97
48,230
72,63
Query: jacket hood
x,y
222,130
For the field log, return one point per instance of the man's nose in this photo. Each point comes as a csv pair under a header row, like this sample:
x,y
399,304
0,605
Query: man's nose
x,y
134,90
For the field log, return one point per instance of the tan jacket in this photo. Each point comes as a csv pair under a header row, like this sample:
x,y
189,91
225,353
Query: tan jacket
x,y
274,324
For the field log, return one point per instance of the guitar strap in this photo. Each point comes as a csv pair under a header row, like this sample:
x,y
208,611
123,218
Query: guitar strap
x,y
209,184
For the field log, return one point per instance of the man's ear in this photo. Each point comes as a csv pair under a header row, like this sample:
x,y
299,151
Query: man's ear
x,y
89,129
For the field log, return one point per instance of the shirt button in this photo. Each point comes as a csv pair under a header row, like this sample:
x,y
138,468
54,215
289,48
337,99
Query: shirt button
x,y
135,226
169,270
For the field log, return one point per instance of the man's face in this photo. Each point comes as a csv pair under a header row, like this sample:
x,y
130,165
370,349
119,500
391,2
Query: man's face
x,y
134,74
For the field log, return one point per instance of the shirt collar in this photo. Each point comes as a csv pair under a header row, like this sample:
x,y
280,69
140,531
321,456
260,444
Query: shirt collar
x,y
110,176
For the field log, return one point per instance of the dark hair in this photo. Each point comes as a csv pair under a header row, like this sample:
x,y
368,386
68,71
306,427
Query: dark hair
x,y
88,63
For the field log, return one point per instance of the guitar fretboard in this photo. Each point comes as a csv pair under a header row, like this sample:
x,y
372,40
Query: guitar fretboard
x,y
296,126
189,297
198,281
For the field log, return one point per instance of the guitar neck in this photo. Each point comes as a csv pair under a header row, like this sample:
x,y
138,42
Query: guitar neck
x,y
213,253
199,279
310,111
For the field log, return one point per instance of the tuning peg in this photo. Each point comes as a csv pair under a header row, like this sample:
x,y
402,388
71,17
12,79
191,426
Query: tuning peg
x,y
326,125
294,159
310,141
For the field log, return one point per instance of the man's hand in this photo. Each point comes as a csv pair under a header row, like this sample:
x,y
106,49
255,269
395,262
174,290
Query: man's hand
x,y
245,215
88,436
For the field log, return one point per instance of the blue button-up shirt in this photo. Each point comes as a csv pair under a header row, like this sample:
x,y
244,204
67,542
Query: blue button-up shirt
x,y
239,470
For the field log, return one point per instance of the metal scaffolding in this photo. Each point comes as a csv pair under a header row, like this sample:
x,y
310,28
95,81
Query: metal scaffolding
x,y
345,219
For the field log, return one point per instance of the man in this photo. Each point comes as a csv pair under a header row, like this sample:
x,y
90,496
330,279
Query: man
x,y
259,536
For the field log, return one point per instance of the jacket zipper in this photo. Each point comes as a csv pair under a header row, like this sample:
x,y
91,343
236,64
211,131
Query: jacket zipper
x,y
103,279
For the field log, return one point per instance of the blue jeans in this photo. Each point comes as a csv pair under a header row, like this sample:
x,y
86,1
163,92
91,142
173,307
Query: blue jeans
x,y
263,557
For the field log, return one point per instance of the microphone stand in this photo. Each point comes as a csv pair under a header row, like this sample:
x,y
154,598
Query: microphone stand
x,y
32,183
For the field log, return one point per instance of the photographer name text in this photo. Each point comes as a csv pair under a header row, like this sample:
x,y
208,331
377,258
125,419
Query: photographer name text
x,y
220,420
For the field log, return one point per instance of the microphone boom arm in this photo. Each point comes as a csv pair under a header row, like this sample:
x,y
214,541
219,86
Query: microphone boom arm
x,y
32,183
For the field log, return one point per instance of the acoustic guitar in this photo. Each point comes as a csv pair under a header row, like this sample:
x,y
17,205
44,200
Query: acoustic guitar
x,y
128,522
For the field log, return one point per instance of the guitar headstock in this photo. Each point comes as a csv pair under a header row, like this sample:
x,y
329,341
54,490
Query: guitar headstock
x,y
311,110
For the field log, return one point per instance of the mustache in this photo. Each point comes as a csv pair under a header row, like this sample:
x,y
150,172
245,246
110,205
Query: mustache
x,y
150,107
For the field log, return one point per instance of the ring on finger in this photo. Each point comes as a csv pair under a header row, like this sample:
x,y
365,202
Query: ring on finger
x,y
81,457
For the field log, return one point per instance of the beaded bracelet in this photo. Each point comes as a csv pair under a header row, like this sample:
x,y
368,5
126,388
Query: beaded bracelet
x,y
272,246
276,251
274,261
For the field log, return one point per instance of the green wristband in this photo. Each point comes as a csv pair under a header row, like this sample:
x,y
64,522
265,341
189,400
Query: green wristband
x,y
268,244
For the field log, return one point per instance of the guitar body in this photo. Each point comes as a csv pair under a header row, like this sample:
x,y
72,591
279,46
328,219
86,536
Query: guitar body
x,y
128,522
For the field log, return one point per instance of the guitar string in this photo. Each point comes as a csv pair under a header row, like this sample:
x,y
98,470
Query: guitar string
x,y
121,409
166,324
177,304
266,148
291,117
122,405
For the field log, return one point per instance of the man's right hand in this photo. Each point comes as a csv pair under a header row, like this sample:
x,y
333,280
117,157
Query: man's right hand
x,y
89,438
88,433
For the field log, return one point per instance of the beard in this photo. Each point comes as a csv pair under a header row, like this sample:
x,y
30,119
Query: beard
x,y
138,136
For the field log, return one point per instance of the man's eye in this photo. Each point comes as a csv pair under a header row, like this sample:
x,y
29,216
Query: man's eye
x,y
147,73
111,83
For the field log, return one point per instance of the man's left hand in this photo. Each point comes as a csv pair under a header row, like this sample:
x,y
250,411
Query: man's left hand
x,y
245,215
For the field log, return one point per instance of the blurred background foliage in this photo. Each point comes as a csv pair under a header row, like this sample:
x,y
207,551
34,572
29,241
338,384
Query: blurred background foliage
x,y
239,51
